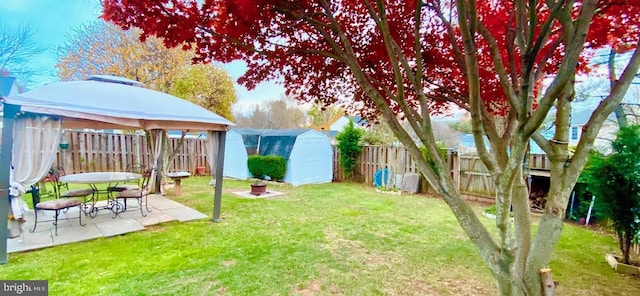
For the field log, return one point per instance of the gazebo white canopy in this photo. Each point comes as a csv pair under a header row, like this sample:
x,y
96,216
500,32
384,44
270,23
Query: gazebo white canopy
x,y
106,102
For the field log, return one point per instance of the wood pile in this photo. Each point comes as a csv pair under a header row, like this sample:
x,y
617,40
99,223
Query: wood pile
x,y
537,200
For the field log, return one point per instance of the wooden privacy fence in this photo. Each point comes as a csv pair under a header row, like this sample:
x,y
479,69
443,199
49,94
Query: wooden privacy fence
x,y
96,152
99,152
373,158
468,172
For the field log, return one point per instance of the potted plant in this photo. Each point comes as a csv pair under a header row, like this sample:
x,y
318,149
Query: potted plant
x,y
614,181
200,170
64,144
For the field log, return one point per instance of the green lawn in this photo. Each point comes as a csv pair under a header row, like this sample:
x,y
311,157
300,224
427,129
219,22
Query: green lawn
x,y
340,238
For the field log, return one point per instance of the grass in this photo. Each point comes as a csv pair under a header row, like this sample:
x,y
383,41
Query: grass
x,y
324,239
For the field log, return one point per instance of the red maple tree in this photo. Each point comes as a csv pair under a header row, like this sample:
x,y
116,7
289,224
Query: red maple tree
x,y
398,59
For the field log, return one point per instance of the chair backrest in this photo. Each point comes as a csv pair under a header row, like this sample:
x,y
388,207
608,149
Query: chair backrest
x,y
59,171
146,176
136,168
54,176
35,195
51,176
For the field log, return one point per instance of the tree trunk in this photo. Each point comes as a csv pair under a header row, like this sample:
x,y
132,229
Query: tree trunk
x,y
626,246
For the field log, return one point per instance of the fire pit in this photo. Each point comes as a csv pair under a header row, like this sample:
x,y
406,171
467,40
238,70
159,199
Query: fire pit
x,y
258,188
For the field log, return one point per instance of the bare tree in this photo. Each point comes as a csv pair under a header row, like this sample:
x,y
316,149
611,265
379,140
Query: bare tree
x,y
447,135
17,49
256,119
278,114
102,48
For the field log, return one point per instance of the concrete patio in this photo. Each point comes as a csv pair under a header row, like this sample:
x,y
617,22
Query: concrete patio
x,y
103,225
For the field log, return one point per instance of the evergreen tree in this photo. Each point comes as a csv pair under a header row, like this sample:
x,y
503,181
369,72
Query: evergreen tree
x,y
349,147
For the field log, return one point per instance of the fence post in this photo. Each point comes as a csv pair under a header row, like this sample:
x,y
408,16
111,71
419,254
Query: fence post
x,y
456,169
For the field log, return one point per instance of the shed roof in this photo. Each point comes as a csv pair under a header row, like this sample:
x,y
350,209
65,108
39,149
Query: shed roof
x,y
250,137
271,141
271,132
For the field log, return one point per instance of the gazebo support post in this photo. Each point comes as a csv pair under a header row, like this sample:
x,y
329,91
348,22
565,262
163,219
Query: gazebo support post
x,y
8,119
217,199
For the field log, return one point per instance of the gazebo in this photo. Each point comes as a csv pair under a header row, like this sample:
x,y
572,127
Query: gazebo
x,y
33,122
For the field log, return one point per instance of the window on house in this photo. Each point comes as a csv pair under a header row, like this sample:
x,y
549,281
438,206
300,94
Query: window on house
x,y
574,133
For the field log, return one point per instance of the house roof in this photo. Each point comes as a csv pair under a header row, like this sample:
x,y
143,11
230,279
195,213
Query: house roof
x,y
580,118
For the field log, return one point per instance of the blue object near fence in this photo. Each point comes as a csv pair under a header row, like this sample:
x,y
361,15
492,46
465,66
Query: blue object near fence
x,y
382,177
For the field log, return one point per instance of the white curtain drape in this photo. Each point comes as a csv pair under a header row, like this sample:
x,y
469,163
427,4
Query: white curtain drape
x,y
35,143
211,146
155,139
168,149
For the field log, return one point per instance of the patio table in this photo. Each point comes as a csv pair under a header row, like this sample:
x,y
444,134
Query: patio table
x,y
92,179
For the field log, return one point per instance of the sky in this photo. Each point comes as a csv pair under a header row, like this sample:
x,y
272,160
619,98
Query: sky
x,y
54,20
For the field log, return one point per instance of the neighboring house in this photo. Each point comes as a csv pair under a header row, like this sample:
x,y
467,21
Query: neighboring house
x,y
606,134
467,144
340,123
343,121
578,120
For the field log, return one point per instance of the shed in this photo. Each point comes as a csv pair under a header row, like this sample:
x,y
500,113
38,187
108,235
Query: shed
x,y
235,157
308,152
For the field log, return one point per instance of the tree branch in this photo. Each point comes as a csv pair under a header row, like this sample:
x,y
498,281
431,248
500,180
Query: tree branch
x,y
473,78
508,90
567,68
542,142
451,32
